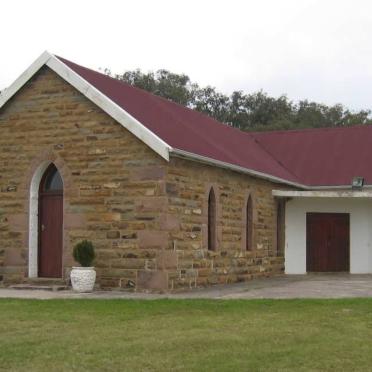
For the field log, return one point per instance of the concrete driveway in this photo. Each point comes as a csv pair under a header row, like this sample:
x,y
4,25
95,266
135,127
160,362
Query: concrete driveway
x,y
308,286
291,286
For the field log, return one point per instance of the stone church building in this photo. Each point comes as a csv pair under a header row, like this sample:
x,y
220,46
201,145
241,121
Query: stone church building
x,y
169,197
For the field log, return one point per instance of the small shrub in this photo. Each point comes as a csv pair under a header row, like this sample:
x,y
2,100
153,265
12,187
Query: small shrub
x,y
84,253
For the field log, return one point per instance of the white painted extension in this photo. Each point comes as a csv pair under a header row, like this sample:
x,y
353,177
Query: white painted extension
x,y
360,210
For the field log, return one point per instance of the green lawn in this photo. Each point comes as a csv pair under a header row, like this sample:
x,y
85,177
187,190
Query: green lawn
x,y
186,335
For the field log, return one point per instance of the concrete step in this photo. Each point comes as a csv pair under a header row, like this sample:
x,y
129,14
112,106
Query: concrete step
x,y
45,281
42,287
45,284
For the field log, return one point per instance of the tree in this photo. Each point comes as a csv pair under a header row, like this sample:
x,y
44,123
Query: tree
x,y
212,103
255,111
175,87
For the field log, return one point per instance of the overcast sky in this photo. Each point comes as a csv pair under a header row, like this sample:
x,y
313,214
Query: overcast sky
x,y
320,50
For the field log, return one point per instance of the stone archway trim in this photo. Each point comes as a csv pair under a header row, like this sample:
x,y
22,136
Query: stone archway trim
x,y
33,245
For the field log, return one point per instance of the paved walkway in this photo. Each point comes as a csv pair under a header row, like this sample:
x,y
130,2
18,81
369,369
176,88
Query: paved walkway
x,y
291,286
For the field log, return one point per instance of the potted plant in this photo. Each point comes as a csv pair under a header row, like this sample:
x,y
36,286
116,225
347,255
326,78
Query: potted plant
x,y
83,277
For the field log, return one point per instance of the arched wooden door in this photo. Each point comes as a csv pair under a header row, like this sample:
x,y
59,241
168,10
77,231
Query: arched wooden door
x,y
50,224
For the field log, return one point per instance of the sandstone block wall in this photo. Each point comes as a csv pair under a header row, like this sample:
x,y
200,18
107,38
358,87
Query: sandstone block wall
x,y
114,189
147,218
187,185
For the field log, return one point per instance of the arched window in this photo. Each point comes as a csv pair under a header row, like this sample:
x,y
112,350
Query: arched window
x,y
249,225
280,227
52,181
211,221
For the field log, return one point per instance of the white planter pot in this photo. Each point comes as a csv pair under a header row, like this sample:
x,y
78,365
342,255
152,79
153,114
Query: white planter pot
x,y
83,279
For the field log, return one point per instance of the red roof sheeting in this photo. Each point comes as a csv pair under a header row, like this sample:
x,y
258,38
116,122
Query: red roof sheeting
x,y
323,157
185,129
313,157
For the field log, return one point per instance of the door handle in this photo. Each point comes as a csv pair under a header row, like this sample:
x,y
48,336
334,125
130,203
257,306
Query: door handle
x,y
42,227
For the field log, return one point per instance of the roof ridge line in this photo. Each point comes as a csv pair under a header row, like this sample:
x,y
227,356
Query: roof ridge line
x,y
210,142
158,100
228,127
75,75
284,131
105,103
157,97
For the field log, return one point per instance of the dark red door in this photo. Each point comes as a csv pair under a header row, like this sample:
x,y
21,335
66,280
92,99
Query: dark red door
x,y
50,224
327,242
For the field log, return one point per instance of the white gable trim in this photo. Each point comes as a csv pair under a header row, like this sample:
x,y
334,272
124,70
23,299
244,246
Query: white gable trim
x,y
127,120
93,94
321,194
9,92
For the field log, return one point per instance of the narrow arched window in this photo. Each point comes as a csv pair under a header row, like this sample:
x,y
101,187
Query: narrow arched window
x,y
249,225
280,227
212,221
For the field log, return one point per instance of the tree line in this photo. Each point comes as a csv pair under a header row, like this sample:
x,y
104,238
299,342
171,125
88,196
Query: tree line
x,y
247,111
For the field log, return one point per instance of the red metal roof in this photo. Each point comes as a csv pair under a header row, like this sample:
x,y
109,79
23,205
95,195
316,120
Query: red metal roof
x,y
185,129
327,156
313,157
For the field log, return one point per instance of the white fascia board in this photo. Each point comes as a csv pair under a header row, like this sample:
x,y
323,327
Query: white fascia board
x,y
131,123
236,168
340,187
94,95
9,92
321,194
110,107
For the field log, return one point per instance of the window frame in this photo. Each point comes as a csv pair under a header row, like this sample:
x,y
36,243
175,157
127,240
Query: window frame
x,y
51,171
248,212
212,221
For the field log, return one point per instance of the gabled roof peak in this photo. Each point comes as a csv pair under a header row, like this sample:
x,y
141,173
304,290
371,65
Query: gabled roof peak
x,y
172,129
91,92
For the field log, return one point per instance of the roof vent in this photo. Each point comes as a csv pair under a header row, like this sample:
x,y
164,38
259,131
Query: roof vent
x,y
357,183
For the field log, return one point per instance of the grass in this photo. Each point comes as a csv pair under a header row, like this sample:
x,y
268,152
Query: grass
x,y
186,335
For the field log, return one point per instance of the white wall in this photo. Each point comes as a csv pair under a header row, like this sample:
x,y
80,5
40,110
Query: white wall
x,y
360,231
